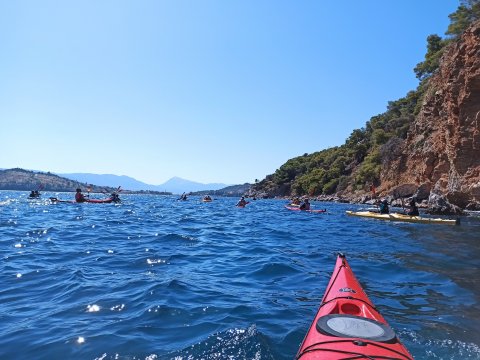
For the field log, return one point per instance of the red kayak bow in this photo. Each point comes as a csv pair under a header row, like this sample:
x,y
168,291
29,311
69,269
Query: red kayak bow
x,y
93,201
347,324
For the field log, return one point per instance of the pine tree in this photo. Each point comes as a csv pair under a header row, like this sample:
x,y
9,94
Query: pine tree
x,y
467,13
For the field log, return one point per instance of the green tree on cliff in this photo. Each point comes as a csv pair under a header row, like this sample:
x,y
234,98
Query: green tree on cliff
x,y
372,148
467,13
427,67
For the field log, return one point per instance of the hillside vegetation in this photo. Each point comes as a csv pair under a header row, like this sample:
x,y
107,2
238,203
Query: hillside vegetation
x,y
20,179
358,163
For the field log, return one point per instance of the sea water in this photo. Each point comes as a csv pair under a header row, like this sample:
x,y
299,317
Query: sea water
x,y
157,278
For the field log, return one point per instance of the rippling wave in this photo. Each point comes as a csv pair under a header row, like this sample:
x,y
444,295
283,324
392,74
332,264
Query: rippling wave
x,y
156,278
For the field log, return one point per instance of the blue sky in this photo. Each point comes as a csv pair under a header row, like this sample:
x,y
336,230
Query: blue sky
x,y
210,91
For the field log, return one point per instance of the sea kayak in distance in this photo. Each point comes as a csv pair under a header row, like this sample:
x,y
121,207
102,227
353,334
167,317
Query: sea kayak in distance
x,y
403,217
55,200
94,201
347,324
101,201
294,208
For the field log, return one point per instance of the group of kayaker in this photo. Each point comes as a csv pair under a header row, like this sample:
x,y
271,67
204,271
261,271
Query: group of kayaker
x,y
413,208
383,206
34,194
303,205
80,198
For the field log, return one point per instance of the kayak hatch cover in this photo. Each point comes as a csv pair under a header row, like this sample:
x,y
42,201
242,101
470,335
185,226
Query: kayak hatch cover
x,y
347,324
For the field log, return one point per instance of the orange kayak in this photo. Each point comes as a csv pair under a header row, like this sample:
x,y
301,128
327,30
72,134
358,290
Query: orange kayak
x,y
347,324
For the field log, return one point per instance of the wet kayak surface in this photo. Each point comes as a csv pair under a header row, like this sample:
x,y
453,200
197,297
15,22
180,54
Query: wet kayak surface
x,y
153,277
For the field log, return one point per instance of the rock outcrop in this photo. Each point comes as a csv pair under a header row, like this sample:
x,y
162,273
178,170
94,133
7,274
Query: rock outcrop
x,y
442,149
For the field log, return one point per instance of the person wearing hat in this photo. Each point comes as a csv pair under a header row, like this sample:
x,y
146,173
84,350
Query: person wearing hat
x,y
79,197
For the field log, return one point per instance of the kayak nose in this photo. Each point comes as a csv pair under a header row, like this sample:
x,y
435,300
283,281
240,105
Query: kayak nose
x,y
347,324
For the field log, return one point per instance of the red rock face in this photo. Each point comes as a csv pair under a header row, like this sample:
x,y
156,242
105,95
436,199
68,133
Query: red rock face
x,y
442,148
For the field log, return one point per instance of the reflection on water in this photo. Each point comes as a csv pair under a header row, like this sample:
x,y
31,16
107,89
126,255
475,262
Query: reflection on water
x,y
158,278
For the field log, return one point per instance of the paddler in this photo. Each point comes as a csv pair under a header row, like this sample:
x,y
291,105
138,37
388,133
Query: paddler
x,y
413,208
79,197
305,205
384,207
296,201
241,202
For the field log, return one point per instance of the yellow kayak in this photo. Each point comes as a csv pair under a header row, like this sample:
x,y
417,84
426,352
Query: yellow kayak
x,y
403,217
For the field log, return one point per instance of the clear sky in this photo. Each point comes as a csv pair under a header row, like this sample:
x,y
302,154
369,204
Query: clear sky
x,y
207,90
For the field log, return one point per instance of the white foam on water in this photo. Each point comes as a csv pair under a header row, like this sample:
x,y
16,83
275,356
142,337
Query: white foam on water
x,y
93,308
118,307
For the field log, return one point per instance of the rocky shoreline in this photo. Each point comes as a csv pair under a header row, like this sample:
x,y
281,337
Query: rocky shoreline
x,y
437,161
435,204
431,202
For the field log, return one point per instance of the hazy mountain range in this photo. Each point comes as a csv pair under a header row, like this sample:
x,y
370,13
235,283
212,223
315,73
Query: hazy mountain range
x,y
175,185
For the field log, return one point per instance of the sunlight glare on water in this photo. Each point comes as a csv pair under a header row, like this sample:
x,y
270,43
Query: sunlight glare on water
x,y
156,278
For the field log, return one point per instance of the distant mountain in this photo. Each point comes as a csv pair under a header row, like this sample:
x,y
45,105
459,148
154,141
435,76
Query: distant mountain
x,y
178,185
125,182
175,185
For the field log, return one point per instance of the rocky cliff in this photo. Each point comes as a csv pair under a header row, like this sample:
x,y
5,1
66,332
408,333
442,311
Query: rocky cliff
x,y
441,154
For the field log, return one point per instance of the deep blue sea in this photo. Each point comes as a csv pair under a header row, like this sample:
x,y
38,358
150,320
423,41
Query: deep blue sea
x,y
156,278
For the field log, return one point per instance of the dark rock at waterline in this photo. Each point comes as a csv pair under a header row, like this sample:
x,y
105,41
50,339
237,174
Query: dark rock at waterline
x,y
423,192
439,205
473,206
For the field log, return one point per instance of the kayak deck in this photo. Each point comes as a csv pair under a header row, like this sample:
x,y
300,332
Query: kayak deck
x,y
403,217
54,200
347,324
294,208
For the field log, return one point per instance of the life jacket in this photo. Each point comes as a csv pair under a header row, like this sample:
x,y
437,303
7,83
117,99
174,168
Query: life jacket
x,y
79,197
413,211
383,208
305,206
